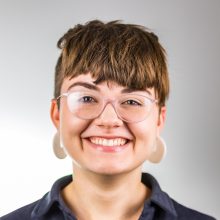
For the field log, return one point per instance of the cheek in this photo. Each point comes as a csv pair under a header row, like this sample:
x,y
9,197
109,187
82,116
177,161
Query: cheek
x,y
70,130
145,133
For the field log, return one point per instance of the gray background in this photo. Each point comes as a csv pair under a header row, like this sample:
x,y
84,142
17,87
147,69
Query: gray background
x,y
190,32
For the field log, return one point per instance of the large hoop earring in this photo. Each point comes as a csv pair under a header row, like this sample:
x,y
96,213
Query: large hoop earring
x,y
57,149
159,151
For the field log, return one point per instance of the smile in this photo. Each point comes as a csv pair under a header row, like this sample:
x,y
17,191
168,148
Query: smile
x,y
114,142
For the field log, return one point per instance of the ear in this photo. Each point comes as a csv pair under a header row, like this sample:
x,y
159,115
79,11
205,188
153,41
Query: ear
x,y
54,113
161,119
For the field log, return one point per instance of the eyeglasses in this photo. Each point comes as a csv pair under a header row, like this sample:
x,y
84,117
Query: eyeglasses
x,y
130,108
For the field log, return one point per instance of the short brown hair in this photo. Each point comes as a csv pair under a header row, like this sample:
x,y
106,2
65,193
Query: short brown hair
x,y
127,54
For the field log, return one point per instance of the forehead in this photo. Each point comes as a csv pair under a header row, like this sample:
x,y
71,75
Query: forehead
x,y
103,86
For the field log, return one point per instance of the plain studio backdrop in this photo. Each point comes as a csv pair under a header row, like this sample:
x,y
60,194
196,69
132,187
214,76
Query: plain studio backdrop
x,y
190,32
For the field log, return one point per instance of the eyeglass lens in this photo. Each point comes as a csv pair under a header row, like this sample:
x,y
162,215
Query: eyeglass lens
x,y
129,107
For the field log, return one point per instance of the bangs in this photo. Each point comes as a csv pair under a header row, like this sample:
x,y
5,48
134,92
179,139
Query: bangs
x,y
125,54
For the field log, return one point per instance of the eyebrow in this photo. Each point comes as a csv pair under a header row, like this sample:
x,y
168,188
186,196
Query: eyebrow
x,y
130,90
84,84
94,87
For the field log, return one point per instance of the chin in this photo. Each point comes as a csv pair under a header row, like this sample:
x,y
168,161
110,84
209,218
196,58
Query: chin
x,y
109,172
112,169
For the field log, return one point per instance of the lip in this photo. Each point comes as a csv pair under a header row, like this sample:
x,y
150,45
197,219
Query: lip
x,y
108,137
108,149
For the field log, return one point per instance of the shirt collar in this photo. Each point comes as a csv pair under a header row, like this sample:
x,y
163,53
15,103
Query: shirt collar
x,y
53,197
158,197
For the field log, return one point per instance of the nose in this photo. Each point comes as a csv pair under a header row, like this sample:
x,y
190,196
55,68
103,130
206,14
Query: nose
x,y
109,117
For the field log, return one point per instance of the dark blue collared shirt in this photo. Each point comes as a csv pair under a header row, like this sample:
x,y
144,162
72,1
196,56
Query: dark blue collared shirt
x,y
158,207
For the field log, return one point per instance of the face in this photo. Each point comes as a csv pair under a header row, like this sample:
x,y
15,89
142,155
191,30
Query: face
x,y
106,144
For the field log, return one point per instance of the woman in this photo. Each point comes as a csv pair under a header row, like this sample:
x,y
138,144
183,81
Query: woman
x,y
111,85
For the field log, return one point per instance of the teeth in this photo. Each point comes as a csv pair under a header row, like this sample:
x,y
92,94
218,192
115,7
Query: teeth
x,y
108,142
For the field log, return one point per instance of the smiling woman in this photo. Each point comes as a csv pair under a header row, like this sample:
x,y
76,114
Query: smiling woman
x,y
108,123
111,86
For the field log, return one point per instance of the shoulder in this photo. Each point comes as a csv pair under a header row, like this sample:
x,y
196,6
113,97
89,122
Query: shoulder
x,y
48,205
168,208
23,213
184,212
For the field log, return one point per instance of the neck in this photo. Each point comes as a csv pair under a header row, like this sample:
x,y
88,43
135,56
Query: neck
x,y
93,196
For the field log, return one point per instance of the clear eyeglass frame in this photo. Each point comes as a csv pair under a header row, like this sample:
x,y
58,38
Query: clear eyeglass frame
x,y
143,111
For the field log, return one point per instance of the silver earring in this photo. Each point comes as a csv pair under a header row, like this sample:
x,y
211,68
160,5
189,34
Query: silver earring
x,y
57,149
159,151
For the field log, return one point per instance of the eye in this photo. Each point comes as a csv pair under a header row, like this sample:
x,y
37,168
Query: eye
x,y
132,102
87,99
